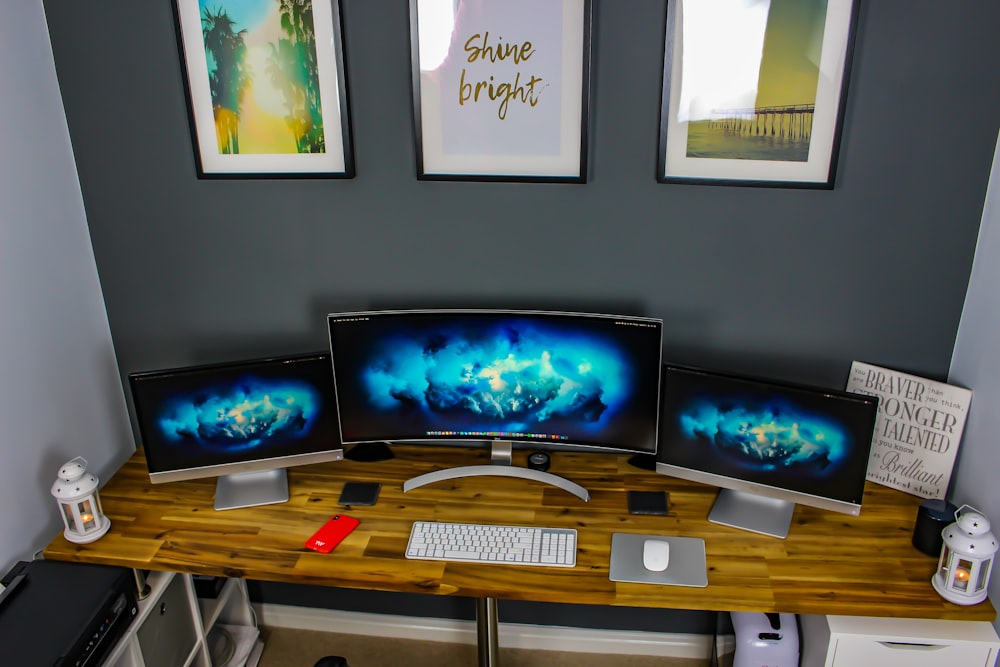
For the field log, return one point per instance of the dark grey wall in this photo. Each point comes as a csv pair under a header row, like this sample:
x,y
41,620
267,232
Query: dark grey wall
x,y
791,283
795,283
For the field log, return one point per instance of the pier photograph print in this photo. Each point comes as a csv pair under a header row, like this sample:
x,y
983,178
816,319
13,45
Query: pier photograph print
x,y
266,87
501,89
753,91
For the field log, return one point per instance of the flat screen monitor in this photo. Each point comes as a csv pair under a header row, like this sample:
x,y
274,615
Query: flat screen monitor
x,y
767,444
242,422
548,379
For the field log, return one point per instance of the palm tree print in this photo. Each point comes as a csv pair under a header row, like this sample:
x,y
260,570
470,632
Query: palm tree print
x,y
230,77
293,69
290,76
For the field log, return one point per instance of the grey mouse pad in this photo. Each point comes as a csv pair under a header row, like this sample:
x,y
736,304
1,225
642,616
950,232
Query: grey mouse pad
x,y
687,566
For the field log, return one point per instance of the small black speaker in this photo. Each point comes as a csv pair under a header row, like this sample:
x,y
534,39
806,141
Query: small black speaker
x,y
932,517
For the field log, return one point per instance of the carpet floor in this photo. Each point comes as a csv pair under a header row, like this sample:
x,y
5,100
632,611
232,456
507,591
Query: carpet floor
x,y
286,647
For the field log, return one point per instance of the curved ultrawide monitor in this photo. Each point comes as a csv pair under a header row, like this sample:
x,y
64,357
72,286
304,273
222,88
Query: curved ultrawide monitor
x,y
777,440
544,378
249,416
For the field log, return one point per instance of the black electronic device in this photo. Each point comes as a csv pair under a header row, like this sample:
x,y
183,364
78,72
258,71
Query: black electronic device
x,y
359,493
933,516
62,613
648,502
539,461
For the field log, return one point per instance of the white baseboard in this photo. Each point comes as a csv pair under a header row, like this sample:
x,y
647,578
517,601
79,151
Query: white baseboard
x,y
511,635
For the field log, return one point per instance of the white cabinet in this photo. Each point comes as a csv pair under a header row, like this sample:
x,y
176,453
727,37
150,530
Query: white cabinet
x,y
174,628
862,641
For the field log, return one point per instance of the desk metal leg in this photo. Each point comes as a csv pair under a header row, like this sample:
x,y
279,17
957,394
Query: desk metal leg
x,y
142,589
486,627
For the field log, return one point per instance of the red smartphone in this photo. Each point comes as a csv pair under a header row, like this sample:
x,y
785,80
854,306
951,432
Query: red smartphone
x,y
332,533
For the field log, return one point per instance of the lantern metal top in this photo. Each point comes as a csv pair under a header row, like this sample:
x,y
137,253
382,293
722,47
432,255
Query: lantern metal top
x,y
970,534
73,470
973,523
74,482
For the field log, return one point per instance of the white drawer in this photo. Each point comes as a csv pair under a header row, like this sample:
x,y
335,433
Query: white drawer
x,y
854,652
858,641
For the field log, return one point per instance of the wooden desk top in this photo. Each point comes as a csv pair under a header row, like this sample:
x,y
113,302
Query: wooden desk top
x,y
829,564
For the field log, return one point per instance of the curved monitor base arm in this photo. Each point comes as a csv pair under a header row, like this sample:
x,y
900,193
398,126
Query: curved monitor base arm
x,y
497,471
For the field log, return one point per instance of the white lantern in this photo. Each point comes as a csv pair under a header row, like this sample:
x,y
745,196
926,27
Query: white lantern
x,y
79,504
963,572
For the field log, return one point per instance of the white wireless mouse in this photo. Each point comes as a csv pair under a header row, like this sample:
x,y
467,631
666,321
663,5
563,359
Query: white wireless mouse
x,y
655,555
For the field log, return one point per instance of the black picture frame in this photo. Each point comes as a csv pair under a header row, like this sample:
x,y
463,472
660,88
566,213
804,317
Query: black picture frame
x,y
754,93
281,110
501,89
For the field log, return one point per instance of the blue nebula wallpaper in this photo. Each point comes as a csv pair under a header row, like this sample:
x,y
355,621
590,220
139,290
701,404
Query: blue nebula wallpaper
x,y
232,413
563,380
781,435
768,435
514,377
240,415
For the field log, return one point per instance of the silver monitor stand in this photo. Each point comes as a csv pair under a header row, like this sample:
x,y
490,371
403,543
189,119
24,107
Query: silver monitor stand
x,y
500,457
247,489
749,511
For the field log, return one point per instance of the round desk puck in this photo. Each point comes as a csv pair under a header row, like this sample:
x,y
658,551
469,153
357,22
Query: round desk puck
x,y
538,461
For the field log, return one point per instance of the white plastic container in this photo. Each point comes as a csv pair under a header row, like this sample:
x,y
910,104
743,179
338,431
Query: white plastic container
x,y
765,640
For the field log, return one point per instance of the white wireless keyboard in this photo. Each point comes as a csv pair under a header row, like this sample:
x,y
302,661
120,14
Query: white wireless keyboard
x,y
485,543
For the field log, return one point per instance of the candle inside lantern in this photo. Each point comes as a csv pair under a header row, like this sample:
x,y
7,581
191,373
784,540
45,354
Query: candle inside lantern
x,y
963,573
86,514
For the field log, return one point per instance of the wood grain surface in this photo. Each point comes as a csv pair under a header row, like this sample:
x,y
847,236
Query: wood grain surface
x,y
830,563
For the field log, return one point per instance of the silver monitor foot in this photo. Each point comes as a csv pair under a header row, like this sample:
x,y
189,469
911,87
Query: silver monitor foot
x,y
497,471
749,511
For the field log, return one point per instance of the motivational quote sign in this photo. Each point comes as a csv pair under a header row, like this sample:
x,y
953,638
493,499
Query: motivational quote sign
x,y
482,52
503,87
919,428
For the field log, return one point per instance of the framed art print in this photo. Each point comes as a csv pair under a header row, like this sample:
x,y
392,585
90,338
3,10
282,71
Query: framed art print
x,y
501,89
266,87
754,91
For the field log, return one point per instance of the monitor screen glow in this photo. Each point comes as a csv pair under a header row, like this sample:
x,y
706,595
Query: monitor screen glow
x,y
246,416
545,378
802,444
